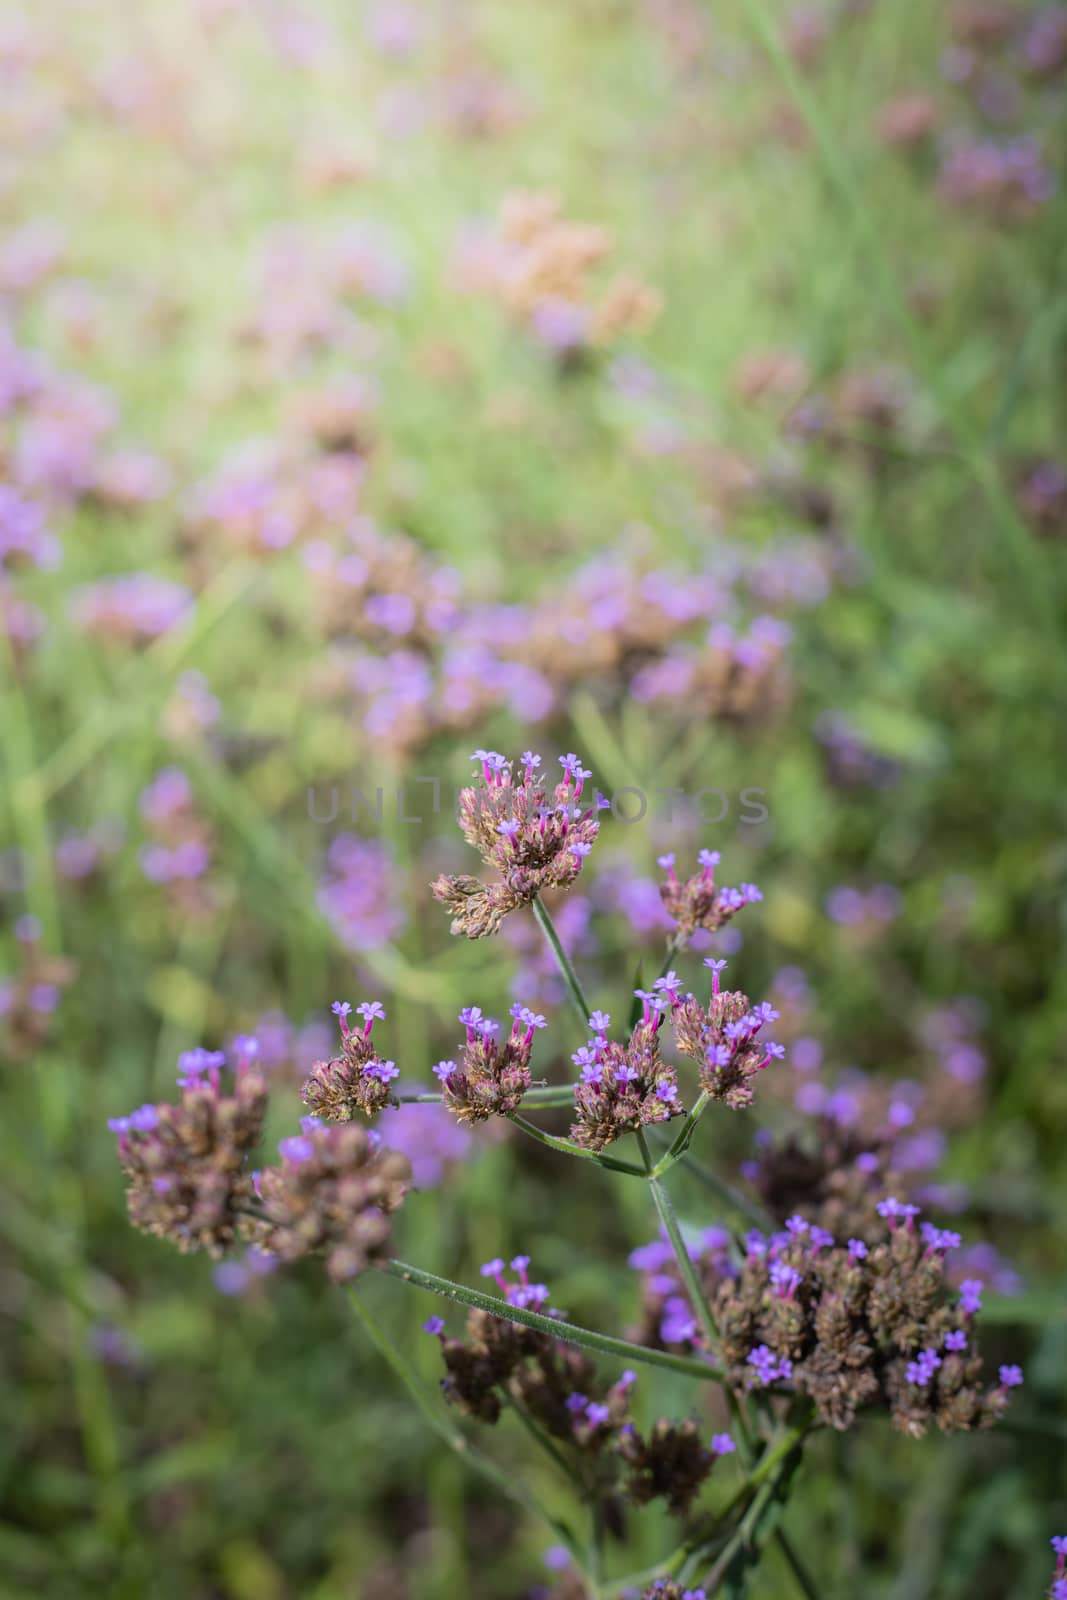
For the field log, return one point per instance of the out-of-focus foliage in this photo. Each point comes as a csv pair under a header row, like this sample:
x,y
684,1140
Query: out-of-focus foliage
x,y
674,382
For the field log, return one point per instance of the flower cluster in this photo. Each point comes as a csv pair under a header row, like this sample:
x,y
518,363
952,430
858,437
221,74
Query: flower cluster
x,y
540,266
853,1324
491,1075
625,1087
697,902
187,1164
357,1079
558,1387
536,838
332,1195
724,1040
670,1463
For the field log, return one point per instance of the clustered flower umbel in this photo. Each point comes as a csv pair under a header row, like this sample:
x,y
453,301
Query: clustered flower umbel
x,y
625,1087
187,1164
536,839
357,1079
491,1075
850,1325
558,1385
332,1195
190,1178
697,902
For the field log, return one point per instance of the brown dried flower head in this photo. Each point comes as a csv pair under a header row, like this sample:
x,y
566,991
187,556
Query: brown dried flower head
x,y
491,1075
356,1080
331,1195
187,1163
696,902
624,1087
536,839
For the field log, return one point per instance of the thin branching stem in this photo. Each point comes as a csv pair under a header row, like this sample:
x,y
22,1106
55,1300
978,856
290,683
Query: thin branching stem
x,y
610,1163
555,1327
456,1441
563,961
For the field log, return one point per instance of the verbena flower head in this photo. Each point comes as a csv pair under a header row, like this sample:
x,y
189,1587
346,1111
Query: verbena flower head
x,y
624,1087
696,902
849,1330
560,1388
186,1164
535,836
356,1080
491,1075
725,1039
332,1195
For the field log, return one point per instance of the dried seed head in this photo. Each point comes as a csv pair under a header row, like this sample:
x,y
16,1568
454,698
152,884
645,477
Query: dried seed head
x,y
331,1195
187,1163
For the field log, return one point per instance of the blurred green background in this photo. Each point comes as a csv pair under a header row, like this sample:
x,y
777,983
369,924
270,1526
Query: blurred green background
x,y
850,409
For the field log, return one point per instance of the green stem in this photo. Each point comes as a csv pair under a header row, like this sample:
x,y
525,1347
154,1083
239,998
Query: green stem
x,y
542,1439
692,1549
563,961
554,1095
569,1149
555,1327
681,1144
695,1290
687,1271
456,1441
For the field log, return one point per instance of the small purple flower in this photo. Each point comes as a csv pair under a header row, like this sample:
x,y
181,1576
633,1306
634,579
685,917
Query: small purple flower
x,y
434,1325
956,1340
971,1295
722,1444
1010,1377
600,1021
296,1149
786,1279
576,1402
921,1370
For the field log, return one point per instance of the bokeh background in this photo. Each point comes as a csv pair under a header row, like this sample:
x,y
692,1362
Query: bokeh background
x,y
677,383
